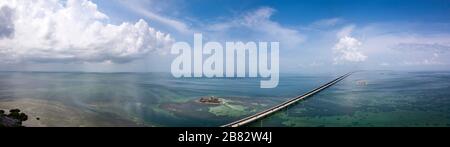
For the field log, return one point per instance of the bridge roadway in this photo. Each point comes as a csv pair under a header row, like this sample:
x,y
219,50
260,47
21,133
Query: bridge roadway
x,y
267,112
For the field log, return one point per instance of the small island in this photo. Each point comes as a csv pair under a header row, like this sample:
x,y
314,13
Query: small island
x,y
210,100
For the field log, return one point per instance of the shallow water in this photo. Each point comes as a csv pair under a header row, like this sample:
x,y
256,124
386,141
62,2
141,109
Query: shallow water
x,y
387,99
156,99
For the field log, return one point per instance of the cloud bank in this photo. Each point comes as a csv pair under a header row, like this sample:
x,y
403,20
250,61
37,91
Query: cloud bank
x,y
71,31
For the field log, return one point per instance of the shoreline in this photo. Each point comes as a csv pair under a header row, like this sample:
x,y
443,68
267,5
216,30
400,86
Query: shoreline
x,y
55,114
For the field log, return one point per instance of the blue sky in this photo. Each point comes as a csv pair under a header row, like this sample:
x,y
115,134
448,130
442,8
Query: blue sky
x,y
315,36
290,11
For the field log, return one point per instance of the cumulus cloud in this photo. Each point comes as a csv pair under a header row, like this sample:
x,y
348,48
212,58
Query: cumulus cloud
x,y
72,31
347,48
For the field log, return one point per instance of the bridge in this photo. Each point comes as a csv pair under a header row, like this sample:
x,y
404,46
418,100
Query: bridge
x,y
267,112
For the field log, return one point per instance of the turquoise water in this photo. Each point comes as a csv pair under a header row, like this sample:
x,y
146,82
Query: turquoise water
x,y
386,98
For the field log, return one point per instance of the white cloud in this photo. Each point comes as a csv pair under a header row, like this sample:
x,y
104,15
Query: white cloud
x,y
346,31
406,48
423,62
74,31
327,22
178,25
6,22
436,48
422,53
347,49
260,25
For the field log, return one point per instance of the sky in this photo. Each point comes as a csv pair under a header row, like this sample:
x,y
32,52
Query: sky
x,y
136,35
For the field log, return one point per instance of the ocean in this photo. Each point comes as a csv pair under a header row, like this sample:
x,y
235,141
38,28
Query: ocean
x,y
367,98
